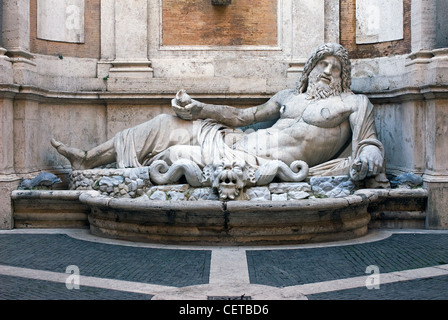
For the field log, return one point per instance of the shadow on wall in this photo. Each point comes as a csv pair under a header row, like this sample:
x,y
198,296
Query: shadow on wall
x,y
442,24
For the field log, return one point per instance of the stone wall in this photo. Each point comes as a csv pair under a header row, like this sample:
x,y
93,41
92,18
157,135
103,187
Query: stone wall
x,y
199,23
88,48
348,29
83,93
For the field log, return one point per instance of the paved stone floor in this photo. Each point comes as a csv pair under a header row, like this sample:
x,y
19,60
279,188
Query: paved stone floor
x,y
72,264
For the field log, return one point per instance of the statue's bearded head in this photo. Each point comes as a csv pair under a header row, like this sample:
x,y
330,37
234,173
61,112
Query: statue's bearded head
x,y
325,79
327,72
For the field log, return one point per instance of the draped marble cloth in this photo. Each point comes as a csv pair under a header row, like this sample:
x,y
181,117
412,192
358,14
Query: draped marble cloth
x,y
142,145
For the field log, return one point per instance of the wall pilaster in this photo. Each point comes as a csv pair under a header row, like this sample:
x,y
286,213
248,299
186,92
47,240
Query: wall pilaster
x,y
124,40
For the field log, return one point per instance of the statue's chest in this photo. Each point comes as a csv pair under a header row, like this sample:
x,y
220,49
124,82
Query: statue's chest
x,y
328,113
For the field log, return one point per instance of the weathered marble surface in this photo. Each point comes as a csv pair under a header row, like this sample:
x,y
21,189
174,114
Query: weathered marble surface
x,y
230,223
130,182
136,183
320,129
333,187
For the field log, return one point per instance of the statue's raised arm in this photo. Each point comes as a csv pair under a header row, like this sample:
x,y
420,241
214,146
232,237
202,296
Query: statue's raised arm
x,y
189,109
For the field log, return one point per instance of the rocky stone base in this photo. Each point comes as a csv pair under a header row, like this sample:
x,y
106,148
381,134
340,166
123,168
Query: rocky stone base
x,y
119,183
136,183
274,192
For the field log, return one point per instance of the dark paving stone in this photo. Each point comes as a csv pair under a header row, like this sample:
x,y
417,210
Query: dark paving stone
x,y
299,266
15,288
56,252
421,289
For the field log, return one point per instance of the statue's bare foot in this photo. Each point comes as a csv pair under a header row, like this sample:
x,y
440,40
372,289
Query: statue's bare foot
x,y
75,156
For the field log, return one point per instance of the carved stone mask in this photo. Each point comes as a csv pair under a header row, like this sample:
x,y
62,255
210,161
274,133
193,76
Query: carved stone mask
x,y
228,180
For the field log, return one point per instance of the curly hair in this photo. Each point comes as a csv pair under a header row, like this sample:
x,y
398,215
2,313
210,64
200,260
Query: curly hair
x,y
325,50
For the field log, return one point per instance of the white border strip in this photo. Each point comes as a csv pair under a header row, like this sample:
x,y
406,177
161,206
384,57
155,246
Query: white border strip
x,y
103,283
222,288
358,282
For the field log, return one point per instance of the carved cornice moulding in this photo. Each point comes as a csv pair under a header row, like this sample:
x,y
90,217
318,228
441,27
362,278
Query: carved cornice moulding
x,y
19,55
12,91
427,56
426,92
419,76
432,177
18,92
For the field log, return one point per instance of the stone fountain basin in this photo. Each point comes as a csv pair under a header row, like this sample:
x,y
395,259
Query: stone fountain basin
x,y
239,222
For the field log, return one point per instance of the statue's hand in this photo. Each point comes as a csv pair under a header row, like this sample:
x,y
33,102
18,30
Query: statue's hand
x,y
189,112
368,164
185,107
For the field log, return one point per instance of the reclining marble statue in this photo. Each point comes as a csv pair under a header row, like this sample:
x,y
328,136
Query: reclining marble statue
x,y
320,128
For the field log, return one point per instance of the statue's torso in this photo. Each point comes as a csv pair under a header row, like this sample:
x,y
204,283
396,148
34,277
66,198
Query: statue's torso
x,y
309,130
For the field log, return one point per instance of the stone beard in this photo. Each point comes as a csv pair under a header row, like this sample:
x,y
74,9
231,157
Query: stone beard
x,y
318,90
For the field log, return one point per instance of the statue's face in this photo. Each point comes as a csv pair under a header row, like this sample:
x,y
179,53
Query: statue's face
x,y
328,70
325,79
